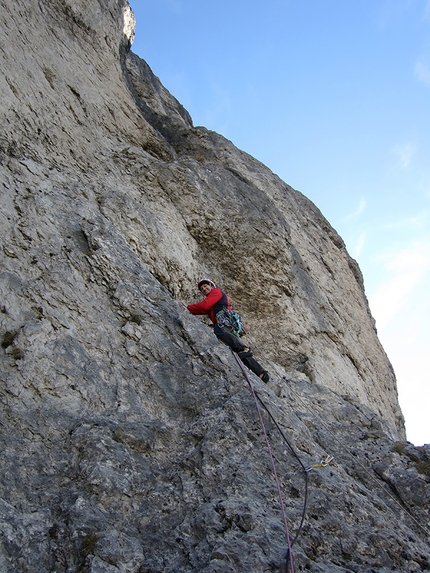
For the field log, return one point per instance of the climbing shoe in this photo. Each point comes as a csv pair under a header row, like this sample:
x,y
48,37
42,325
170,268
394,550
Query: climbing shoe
x,y
245,353
265,377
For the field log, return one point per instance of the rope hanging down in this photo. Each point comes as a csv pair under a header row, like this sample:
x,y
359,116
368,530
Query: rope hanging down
x,y
305,470
322,464
289,557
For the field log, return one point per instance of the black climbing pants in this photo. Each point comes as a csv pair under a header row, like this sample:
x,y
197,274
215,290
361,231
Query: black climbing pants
x,y
223,334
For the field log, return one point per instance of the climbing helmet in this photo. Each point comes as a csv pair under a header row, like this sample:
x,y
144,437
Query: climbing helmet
x,y
205,282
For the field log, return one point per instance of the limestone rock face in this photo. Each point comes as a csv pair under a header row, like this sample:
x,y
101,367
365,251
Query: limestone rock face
x,y
130,438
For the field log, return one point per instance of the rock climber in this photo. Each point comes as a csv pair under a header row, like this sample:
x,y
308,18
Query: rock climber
x,y
214,304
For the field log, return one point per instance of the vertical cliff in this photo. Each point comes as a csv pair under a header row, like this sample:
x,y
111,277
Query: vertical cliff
x,y
130,440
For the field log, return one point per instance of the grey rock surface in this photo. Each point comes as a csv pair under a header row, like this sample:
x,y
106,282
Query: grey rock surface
x,y
130,439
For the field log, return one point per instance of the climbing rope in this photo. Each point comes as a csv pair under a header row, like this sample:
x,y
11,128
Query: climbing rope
x,y
289,557
305,470
363,467
322,464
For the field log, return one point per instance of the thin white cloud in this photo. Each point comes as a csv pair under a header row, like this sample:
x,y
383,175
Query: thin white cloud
x,y
422,71
392,11
427,11
391,297
360,209
174,5
422,65
424,186
359,245
418,222
407,269
407,347
409,260
404,153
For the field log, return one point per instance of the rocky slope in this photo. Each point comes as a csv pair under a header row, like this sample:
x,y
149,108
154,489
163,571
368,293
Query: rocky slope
x,y
130,438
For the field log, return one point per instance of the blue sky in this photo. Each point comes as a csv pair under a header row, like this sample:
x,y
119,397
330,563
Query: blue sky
x,y
334,98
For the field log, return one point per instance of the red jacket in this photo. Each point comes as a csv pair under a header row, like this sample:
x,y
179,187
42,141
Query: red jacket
x,y
206,305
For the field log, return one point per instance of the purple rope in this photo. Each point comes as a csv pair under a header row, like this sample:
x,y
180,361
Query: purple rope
x,y
281,501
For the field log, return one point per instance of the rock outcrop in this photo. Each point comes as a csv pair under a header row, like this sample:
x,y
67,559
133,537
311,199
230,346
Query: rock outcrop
x,y
130,439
